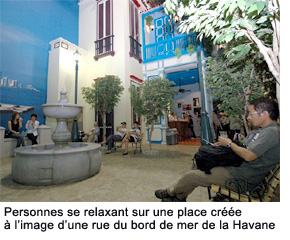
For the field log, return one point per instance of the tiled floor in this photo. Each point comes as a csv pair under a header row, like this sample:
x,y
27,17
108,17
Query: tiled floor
x,y
131,178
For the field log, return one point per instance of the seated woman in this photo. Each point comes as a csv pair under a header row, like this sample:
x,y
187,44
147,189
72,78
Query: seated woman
x,y
131,136
14,126
31,127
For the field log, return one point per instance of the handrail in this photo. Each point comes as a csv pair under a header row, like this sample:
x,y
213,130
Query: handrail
x,y
100,39
104,47
135,49
166,48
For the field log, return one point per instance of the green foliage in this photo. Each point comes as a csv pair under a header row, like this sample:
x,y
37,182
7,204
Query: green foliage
x,y
104,94
190,49
235,85
148,20
155,96
177,52
222,20
254,23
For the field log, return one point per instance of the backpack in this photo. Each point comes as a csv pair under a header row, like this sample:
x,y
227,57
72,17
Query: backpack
x,y
209,156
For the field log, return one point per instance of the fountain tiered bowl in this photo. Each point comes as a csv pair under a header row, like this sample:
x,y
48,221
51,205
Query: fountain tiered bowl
x,y
62,161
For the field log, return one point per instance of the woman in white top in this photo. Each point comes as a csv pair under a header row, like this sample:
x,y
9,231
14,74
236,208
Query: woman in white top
x,y
31,127
131,136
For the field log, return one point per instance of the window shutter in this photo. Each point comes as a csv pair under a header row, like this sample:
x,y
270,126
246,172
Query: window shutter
x,y
101,26
136,25
108,25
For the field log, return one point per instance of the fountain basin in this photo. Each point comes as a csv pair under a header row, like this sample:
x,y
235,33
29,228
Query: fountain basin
x,y
61,110
54,164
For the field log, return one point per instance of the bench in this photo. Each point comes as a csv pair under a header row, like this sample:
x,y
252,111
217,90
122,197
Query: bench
x,y
262,192
7,145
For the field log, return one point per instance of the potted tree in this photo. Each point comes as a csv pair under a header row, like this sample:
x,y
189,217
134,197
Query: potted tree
x,y
104,95
153,99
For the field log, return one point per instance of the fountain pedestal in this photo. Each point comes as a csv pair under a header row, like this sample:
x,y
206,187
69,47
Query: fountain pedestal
x,y
60,162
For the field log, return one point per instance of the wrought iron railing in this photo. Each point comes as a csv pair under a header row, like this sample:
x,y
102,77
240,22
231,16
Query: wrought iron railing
x,y
135,49
166,48
104,47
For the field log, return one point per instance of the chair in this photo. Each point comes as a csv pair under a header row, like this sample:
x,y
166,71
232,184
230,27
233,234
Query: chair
x,y
262,192
139,141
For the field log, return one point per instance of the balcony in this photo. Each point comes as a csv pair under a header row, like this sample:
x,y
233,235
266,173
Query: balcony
x,y
104,47
165,49
135,49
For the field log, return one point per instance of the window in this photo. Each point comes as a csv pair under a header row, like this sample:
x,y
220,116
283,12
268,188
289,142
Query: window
x,y
105,37
135,46
134,22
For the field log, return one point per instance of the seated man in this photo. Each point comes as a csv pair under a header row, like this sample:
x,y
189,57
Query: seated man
x,y
121,132
261,155
131,136
93,135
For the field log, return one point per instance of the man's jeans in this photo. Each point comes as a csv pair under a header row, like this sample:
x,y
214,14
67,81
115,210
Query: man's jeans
x,y
111,139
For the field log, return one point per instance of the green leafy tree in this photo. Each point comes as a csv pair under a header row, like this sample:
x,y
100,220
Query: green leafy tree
x,y
104,95
255,23
154,97
236,85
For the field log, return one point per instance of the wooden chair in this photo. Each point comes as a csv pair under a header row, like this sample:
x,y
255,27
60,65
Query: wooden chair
x,y
139,142
262,192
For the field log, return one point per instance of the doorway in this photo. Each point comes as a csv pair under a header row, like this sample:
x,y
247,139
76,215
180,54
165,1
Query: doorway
x,y
109,124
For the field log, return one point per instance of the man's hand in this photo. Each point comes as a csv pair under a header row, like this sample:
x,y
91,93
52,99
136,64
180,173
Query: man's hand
x,y
244,153
224,141
217,144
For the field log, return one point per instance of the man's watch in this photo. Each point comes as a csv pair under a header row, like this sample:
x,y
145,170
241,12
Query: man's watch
x,y
229,144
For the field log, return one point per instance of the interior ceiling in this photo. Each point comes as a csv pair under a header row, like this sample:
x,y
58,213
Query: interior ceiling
x,y
184,77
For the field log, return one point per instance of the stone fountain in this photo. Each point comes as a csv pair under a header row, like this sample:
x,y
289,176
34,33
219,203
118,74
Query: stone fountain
x,y
62,161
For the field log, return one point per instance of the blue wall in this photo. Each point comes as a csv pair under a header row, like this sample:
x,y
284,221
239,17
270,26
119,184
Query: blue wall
x,y
26,28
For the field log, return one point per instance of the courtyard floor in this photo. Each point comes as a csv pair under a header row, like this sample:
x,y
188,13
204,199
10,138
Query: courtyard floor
x,y
130,178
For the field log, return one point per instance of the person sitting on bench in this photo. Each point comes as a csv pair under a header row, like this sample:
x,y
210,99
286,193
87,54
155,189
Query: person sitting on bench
x,y
121,132
131,136
14,126
31,127
261,155
93,135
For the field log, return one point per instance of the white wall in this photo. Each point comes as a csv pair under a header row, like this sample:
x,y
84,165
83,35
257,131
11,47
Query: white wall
x,y
61,75
121,64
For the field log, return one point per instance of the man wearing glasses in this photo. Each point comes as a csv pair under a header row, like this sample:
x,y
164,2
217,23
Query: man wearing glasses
x,y
261,154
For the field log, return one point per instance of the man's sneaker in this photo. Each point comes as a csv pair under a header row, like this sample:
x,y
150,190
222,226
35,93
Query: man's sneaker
x,y
162,193
173,199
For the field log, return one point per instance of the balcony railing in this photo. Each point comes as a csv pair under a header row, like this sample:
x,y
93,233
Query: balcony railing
x,y
166,48
135,49
104,47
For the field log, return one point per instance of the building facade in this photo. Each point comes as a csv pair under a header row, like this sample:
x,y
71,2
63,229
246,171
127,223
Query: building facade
x,y
116,39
